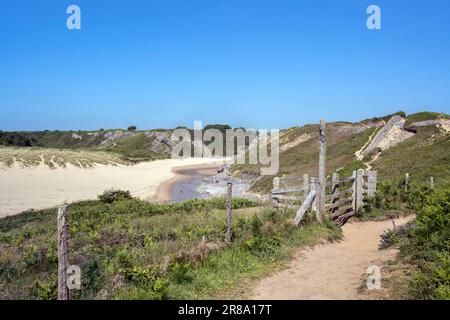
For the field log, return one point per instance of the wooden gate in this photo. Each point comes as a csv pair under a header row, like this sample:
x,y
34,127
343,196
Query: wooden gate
x,y
343,197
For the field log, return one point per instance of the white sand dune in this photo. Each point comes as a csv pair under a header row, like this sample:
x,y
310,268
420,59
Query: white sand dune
x,y
41,187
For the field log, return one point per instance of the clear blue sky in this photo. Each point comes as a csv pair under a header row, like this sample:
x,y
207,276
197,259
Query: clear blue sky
x,y
251,63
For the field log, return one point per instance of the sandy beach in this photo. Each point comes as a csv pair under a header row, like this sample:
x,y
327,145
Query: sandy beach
x,y
41,187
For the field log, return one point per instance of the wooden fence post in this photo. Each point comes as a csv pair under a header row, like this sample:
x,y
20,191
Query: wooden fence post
x,y
406,181
315,185
359,189
334,190
63,253
322,165
371,183
431,183
276,183
312,186
305,185
354,191
229,204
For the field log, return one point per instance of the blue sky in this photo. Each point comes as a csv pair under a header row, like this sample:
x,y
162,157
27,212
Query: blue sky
x,y
257,64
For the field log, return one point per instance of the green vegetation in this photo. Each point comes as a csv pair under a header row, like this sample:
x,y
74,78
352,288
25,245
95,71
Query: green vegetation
x,y
425,243
423,116
12,139
425,154
131,249
385,118
347,171
130,145
112,195
138,146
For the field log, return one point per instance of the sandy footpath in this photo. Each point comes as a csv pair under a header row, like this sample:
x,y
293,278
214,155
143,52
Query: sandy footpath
x,y
333,270
41,187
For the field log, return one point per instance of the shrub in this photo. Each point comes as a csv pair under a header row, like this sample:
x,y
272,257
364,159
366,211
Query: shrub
x,y
256,224
394,237
124,258
388,195
132,128
45,290
429,245
112,195
140,276
31,257
93,276
432,281
147,278
180,274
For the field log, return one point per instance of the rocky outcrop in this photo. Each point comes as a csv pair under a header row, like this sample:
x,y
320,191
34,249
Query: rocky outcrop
x,y
217,185
117,135
392,133
395,135
444,124
76,136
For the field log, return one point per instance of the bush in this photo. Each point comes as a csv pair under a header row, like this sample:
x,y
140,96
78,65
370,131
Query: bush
x,y
112,195
148,279
388,195
132,128
429,245
394,237
45,290
180,274
432,281
124,258
426,243
256,225
30,257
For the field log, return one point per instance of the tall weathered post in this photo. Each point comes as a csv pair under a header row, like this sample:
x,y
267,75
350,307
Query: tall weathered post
x,y
359,188
354,191
63,253
371,183
229,205
406,181
276,183
322,165
315,184
431,183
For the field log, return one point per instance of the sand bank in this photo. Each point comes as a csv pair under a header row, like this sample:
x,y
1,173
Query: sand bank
x,y
40,187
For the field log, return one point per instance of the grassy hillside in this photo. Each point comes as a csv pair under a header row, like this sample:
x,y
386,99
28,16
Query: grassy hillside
x,y
343,141
130,145
127,144
423,116
130,249
425,154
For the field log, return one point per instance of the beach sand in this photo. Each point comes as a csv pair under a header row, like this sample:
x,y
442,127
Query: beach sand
x,y
41,187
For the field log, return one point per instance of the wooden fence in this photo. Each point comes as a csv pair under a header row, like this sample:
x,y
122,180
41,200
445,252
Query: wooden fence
x,y
342,197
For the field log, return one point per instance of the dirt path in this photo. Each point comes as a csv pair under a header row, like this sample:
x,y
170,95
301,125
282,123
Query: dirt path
x,y
331,271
